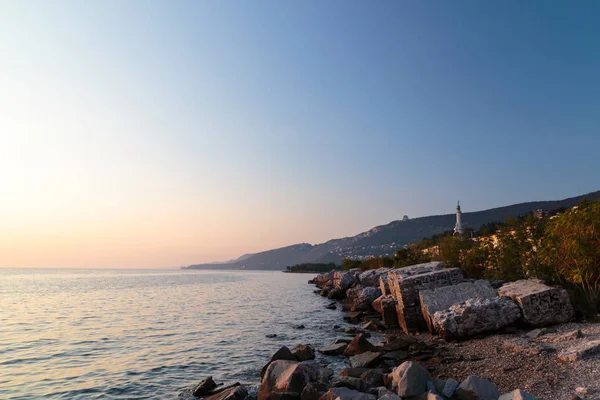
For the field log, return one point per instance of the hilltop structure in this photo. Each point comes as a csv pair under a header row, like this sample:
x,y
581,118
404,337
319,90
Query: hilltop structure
x,y
458,228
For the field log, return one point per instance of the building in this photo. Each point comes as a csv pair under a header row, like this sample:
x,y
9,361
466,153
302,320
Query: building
x,y
458,228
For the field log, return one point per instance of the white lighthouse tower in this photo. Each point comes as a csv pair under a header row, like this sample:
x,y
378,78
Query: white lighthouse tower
x,y
458,229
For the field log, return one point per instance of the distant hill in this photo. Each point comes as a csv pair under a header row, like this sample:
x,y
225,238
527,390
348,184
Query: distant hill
x,y
384,239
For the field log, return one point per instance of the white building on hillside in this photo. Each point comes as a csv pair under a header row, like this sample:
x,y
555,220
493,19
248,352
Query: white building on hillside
x,y
458,228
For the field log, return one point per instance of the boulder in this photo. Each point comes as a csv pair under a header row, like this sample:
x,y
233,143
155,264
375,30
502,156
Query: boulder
x,y
372,277
283,378
282,354
325,291
388,311
406,283
517,395
384,285
372,378
303,352
382,391
235,392
475,316
343,393
397,355
540,304
347,381
353,292
336,294
204,387
365,360
343,279
353,317
398,342
410,379
323,279
444,297
331,306
365,298
358,345
371,325
580,351
356,372
314,391
334,349
449,388
377,304
475,388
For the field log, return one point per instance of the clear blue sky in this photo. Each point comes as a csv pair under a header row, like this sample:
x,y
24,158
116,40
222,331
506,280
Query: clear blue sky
x,y
155,133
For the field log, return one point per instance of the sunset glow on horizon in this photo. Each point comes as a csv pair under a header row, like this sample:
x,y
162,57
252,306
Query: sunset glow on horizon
x,y
158,134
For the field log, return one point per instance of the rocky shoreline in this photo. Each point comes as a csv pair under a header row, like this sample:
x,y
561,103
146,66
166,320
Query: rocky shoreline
x,y
425,332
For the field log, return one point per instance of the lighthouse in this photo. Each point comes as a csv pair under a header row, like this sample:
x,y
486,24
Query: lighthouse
x,y
458,229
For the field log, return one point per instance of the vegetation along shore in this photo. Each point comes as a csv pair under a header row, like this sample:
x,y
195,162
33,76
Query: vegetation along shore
x,y
507,312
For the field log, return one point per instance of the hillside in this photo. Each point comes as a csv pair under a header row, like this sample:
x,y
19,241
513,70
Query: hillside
x,y
384,239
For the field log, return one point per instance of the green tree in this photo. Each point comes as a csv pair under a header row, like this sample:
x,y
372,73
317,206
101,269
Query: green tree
x,y
572,247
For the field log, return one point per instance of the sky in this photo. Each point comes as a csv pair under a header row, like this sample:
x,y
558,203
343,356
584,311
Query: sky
x,y
146,134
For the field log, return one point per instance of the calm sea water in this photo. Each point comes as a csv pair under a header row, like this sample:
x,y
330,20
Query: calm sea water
x,y
91,334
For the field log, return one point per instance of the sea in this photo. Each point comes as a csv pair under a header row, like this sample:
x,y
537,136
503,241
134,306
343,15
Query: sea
x,y
149,334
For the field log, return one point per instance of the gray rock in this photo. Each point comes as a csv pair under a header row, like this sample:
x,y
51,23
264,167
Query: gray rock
x,y
580,351
204,387
314,391
517,395
343,279
410,379
365,360
540,304
397,355
334,349
388,312
439,385
232,393
343,393
382,391
442,298
359,345
282,354
371,278
476,316
365,298
336,294
449,388
356,372
303,352
353,317
406,283
475,388
372,378
389,396
325,374
431,387
347,381
283,376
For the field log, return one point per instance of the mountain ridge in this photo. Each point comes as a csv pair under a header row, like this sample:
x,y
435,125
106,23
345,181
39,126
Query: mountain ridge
x,y
384,239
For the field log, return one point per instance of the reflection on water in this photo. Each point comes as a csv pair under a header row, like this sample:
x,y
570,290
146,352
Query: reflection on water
x,y
81,334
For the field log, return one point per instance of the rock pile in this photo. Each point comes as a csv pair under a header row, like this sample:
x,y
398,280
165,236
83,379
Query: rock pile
x,y
293,380
429,296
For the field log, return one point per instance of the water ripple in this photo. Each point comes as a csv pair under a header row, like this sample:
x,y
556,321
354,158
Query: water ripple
x,y
84,334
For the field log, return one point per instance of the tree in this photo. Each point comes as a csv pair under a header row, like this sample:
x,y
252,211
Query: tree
x,y
572,246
